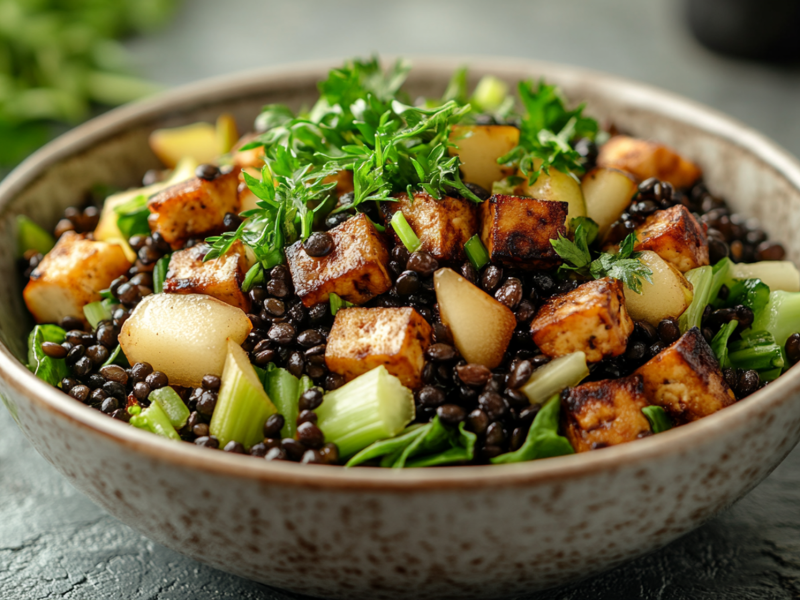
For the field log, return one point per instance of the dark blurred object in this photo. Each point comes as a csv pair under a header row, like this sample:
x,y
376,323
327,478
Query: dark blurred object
x,y
59,59
763,30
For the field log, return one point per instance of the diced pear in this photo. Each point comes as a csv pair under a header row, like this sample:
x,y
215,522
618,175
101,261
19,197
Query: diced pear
x,y
607,193
559,187
481,326
479,147
184,336
198,140
668,296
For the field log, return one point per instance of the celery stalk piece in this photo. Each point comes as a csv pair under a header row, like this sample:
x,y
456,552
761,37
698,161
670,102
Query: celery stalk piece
x,y
155,420
373,406
172,405
283,390
32,237
96,312
701,279
476,252
404,232
243,405
558,374
780,317
777,274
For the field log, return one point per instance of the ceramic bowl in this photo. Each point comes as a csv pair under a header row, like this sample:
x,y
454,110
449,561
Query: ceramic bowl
x,y
453,532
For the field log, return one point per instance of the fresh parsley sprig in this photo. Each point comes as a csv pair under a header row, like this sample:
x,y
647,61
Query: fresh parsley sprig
x,y
624,265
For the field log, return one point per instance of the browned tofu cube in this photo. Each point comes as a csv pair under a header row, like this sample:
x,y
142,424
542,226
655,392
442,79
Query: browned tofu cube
x,y
685,379
442,226
518,230
644,159
605,413
71,276
356,269
676,236
194,208
362,339
220,277
591,318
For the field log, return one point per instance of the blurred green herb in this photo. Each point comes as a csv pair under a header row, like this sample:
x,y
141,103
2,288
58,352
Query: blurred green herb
x,y
58,58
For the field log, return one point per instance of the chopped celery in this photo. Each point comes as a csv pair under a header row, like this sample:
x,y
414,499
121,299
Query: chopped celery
x,y
756,350
172,405
720,343
701,279
243,405
777,274
160,273
559,373
51,370
153,419
658,418
542,440
476,252
32,237
96,312
404,232
780,317
373,406
284,391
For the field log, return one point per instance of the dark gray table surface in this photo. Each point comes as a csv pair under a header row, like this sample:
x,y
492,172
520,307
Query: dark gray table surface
x,y
54,543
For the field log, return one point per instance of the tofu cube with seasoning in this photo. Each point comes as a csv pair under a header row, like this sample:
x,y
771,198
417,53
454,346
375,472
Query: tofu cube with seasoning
x,y
71,276
685,379
220,277
362,339
591,318
442,226
644,159
605,413
676,236
356,269
518,230
194,208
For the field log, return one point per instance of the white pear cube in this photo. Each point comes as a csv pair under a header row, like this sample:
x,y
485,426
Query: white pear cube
x,y
668,296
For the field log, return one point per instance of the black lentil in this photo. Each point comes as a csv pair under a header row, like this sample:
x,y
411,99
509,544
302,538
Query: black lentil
x,y
319,244
207,441
450,414
793,348
311,399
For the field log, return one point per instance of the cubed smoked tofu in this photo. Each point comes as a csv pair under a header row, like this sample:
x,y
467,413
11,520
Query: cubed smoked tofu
x,y
362,339
591,318
644,159
71,276
518,230
605,413
220,277
194,209
685,379
676,236
442,226
356,269
479,147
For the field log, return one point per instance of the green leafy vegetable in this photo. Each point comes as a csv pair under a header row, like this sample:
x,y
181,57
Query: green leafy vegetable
x,y
96,312
254,276
132,217
32,237
720,343
756,350
658,418
337,303
160,273
51,370
752,293
543,440
624,265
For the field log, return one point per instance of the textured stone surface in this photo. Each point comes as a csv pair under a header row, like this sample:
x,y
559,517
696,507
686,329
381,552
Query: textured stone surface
x,y
54,543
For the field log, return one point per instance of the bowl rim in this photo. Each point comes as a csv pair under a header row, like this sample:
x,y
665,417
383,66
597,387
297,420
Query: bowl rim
x,y
675,442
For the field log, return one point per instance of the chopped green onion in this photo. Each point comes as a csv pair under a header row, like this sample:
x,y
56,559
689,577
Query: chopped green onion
x,y
476,252
371,407
658,418
172,405
153,419
337,303
701,279
404,232
32,237
542,440
96,312
242,406
720,343
284,391
51,370
255,276
160,273
558,374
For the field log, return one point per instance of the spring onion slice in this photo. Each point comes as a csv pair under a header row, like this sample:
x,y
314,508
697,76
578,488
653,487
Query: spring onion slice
x,y
476,252
96,312
404,232
172,405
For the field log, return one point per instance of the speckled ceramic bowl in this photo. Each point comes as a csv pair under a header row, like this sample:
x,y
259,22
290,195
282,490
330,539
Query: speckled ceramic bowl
x,y
453,532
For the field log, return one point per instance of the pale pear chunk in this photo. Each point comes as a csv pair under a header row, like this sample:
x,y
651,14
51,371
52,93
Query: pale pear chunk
x,y
607,193
481,326
183,336
668,296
